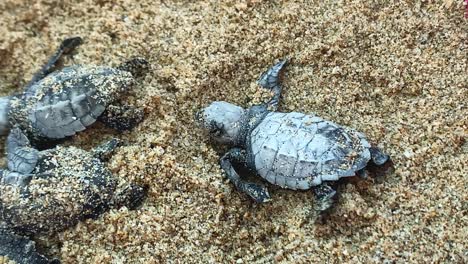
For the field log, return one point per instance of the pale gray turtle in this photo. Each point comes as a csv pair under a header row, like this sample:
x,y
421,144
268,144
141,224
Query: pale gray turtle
x,y
20,249
58,103
65,185
291,150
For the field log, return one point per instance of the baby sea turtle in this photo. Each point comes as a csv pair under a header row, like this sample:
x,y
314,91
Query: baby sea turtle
x,y
58,103
59,186
292,150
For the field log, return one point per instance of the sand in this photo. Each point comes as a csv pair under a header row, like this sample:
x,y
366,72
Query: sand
x,y
397,72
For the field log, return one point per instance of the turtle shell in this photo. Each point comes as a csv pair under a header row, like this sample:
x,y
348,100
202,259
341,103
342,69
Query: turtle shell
x,y
298,151
68,185
67,101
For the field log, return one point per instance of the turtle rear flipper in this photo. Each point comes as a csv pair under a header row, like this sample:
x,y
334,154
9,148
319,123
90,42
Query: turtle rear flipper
x,y
66,47
21,156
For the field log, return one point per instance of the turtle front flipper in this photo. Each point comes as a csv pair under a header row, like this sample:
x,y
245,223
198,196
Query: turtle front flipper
x,y
121,117
270,80
66,47
21,156
258,192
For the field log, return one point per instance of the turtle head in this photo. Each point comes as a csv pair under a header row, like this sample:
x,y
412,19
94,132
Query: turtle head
x,y
223,121
4,109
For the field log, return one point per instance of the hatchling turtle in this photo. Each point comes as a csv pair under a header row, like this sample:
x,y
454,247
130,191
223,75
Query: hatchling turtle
x,y
59,186
292,150
58,103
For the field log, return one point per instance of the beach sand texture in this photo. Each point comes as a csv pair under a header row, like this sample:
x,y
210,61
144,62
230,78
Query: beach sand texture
x,y
397,72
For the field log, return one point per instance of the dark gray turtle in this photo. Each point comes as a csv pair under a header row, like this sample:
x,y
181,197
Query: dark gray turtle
x,y
20,249
57,104
59,186
292,150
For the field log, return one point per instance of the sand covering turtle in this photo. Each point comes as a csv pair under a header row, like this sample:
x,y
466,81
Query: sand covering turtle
x,y
66,185
291,150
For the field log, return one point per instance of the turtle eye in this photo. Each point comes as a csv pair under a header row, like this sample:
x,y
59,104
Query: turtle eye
x,y
216,129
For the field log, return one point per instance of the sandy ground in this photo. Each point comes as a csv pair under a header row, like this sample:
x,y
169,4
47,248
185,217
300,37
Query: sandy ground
x,y
397,72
